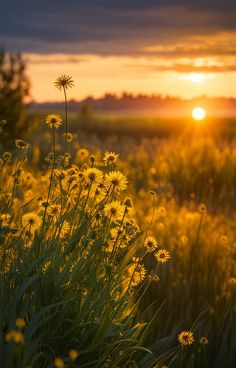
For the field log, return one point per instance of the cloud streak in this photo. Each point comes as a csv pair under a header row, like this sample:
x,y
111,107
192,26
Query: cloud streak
x,y
111,27
152,44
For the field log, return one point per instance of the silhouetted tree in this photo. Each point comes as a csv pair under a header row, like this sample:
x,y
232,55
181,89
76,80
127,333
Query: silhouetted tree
x,y
14,88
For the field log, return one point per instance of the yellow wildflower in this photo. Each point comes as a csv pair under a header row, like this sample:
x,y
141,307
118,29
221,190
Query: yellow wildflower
x,y
64,81
54,120
162,255
115,180
186,338
31,221
114,210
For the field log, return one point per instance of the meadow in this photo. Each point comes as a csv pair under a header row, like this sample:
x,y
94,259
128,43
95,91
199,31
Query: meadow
x,y
118,243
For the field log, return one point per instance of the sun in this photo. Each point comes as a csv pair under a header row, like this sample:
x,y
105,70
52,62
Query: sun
x,y
196,77
198,113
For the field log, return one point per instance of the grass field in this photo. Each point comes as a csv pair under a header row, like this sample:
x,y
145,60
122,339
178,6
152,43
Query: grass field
x,y
105,260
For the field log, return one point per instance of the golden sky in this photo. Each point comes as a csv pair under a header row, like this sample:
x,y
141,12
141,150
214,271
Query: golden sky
x,y
96,75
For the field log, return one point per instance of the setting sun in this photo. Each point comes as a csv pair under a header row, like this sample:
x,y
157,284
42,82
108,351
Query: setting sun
x,y
199,113
196,77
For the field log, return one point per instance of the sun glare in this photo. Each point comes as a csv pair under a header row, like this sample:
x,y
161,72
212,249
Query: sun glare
x,y
198,113
196,77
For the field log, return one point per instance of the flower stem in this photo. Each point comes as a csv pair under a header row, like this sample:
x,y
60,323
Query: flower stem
x,y
51,177
65,110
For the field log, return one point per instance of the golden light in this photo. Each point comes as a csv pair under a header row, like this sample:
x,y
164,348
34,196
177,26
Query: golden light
x,y
198,113
195,77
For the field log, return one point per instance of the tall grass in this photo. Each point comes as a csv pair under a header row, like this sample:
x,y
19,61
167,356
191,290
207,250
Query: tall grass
x,y
72,273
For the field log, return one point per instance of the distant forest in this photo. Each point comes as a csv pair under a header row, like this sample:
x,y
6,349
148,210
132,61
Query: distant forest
x,y
143,104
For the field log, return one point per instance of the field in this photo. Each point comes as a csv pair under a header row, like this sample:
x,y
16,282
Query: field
x,y
118,245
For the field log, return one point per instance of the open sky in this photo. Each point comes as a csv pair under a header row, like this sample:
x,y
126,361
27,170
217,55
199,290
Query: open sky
x,y
185,48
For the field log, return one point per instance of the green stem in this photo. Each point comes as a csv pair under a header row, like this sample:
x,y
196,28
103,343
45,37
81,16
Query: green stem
x,y
53,145
65,110
51,179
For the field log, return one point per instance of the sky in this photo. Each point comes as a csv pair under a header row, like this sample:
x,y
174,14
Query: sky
x,y
184,48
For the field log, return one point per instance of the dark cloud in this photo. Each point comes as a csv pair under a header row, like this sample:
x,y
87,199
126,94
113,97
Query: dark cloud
x,y
108,27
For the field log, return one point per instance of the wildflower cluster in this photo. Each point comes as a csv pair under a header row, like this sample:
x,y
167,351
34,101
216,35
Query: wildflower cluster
x,y
72,256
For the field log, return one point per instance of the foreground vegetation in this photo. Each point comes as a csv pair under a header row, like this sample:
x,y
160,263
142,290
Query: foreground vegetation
x,y
90,280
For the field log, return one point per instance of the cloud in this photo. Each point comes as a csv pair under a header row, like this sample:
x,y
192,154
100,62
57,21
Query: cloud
x,y
125,27
180,68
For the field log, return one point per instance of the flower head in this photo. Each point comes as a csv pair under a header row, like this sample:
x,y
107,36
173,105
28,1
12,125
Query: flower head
x,y
6,156
110,157
16,336
64,81
68,136
93,175
137,272
162,255
73,354
150,243
203,340
54,210
128,202
232,281
20,323
5,219
115,180
31,221
21,144
114,211
202,208
54,120
58,362
186,338
64,229
82,154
